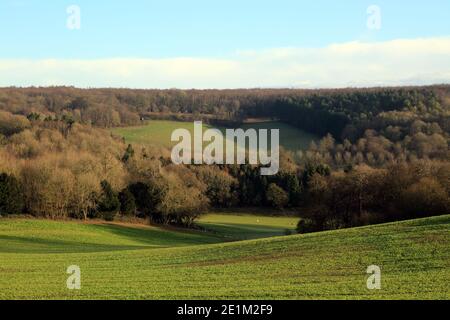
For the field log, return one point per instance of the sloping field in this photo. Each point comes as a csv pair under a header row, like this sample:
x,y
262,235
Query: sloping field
x,y
149,263
42,236
158,133
238,226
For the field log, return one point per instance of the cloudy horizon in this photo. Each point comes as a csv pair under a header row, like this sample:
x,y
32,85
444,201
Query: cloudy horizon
x,y
351,64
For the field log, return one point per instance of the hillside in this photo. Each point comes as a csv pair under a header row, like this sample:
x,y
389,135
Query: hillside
x,y
145,263
238,226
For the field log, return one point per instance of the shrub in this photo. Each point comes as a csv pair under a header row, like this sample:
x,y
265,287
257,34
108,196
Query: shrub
x,y
108,216
307,226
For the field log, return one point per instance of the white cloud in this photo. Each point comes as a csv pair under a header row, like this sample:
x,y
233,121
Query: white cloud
x,y
397,62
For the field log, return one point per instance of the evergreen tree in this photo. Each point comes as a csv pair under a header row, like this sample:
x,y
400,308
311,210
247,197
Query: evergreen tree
x,y
109,202
129,153
11,196
148,196
127,202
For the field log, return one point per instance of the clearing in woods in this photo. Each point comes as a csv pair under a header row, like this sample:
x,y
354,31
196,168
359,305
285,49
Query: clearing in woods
x,y
158,133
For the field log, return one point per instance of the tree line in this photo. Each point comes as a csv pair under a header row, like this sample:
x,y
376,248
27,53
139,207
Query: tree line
x,y
383,156
61,170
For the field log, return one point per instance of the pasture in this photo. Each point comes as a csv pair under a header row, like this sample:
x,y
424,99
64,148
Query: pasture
x,y
158,133
239,226
143,262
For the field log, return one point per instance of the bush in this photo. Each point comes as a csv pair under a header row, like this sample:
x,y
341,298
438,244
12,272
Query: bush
x,y
307,226
108,216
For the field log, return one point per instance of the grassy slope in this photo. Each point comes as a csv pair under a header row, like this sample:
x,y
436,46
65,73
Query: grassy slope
x,y
43,236
414,257
239,226
158,132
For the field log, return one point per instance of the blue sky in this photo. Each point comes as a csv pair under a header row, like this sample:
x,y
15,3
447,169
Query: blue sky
x,y
205,29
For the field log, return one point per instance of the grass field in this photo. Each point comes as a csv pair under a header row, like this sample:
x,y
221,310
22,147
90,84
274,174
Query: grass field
x,y
158,132
238,226
291,138
131,262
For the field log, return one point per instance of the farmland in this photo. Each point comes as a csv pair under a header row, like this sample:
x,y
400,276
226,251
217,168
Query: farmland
x,y
144,262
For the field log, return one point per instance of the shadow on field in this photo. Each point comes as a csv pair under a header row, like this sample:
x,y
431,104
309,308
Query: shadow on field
x,y
29,245
158,237
239,231
112,238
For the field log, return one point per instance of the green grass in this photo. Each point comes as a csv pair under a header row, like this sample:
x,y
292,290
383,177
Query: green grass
x,y
291,138
148,263
43,236
248,226
158,133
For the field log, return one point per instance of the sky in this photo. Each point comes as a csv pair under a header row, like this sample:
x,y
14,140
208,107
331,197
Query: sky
x,y
224,44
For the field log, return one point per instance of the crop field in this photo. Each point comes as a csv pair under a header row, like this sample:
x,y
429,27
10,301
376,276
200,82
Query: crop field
x,y
158,132
142,262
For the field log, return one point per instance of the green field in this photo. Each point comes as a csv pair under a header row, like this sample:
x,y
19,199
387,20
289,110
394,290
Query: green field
x,y
291,138
139,262
239,226
158,132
